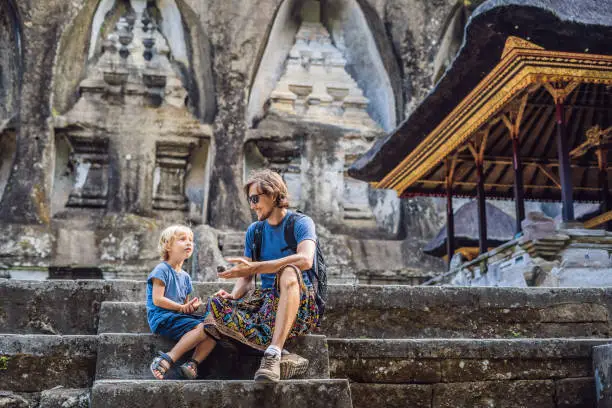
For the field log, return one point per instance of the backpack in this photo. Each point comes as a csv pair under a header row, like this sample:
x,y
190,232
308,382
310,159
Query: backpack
x,y
317,274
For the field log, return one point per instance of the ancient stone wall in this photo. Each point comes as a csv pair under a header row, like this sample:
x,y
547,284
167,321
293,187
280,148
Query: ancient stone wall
x,y
96,141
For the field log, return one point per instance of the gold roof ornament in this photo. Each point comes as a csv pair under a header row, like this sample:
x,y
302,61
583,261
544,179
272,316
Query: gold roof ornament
x,y
513,43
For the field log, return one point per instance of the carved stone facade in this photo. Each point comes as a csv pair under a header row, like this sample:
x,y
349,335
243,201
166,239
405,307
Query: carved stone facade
x,y
131,133
122,116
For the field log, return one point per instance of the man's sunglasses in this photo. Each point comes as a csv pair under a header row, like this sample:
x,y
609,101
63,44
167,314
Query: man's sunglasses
x,y
254,199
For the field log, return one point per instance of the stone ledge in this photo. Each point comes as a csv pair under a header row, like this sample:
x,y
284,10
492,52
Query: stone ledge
x,y
35,363
127,356
72,307
215,394
447,360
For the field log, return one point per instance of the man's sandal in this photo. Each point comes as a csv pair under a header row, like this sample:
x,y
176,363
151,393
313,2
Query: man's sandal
x,y
156,365
190,369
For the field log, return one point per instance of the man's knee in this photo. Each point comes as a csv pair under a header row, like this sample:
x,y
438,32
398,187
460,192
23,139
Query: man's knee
x,y
288,278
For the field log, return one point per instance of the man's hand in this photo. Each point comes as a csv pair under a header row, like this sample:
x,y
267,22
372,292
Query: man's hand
x,y
242,269
224,294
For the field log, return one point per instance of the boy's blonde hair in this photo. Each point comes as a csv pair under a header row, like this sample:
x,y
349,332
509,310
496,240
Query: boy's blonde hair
x,y
270,183
167,238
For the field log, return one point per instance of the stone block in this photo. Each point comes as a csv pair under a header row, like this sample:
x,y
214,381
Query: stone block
x,y
458,360
401,312
575,392
499,394
585,257
576,277
12,400
65,398
57,307
76,247
215,394
602,371
33,363
537,225
391,395
128,356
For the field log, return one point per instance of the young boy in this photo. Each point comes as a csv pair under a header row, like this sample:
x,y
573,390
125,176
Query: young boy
x,y
169,307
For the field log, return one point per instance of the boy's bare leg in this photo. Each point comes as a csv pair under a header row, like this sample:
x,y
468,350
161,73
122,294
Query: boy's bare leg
x,y
203,349
288,306
190,340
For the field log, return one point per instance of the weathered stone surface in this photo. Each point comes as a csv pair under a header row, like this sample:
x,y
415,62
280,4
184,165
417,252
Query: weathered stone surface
x,y
39,362
213,394
128,356
65,398
12,400
391,395
575,392
58,307
71,307
207,255
503,394
602,369
399,312
446,360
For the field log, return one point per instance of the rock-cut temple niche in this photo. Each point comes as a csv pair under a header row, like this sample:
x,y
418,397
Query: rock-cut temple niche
x,y
316,117
10,82
131,142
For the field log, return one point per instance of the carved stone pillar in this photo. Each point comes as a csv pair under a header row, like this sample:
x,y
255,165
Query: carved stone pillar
x,y
169,177
90,162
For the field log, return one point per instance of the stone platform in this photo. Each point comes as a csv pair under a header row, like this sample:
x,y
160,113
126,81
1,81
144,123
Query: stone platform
x,y
388,346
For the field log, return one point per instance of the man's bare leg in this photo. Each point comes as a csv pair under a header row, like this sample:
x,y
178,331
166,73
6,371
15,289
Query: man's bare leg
x,y
286,314
288,306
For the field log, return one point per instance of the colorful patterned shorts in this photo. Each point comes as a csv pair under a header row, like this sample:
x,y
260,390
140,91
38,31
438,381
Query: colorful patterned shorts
x,y
250,320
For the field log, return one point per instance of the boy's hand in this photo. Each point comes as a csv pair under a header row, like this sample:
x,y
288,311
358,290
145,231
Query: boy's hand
x,y
224,294
190,307
196,303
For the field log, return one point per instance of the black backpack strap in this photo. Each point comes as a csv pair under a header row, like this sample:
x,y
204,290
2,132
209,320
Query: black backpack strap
x,y
256,244
290,231
291,242
257,239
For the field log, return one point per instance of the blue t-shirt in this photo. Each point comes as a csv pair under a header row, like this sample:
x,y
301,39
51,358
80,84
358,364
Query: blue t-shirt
x,y
178,286
273,241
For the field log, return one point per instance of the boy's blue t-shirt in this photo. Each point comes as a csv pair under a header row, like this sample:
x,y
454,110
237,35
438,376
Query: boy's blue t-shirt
x,y
178,286
273,241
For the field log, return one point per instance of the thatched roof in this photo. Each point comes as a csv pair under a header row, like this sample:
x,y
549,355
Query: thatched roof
x,y
500,229
557,25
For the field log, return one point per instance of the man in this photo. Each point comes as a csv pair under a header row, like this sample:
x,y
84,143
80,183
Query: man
x,y
284,306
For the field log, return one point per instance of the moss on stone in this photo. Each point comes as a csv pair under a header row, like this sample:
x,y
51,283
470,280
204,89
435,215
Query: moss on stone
x,y
4,362
25,245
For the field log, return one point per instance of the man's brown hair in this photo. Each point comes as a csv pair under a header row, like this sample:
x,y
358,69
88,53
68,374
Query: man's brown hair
x,y
270,183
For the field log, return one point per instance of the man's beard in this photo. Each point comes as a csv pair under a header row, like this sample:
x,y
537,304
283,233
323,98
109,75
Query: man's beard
x,y
267,215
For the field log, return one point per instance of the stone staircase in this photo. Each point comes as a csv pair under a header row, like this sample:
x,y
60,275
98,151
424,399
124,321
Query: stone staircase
x,y
87,343
232,243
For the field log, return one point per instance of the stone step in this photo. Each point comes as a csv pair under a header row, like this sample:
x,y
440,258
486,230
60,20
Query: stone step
x,y
128,356
67,307
53,398
403,312
475,312
217,394
34,363
562,393
72,307
420,361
